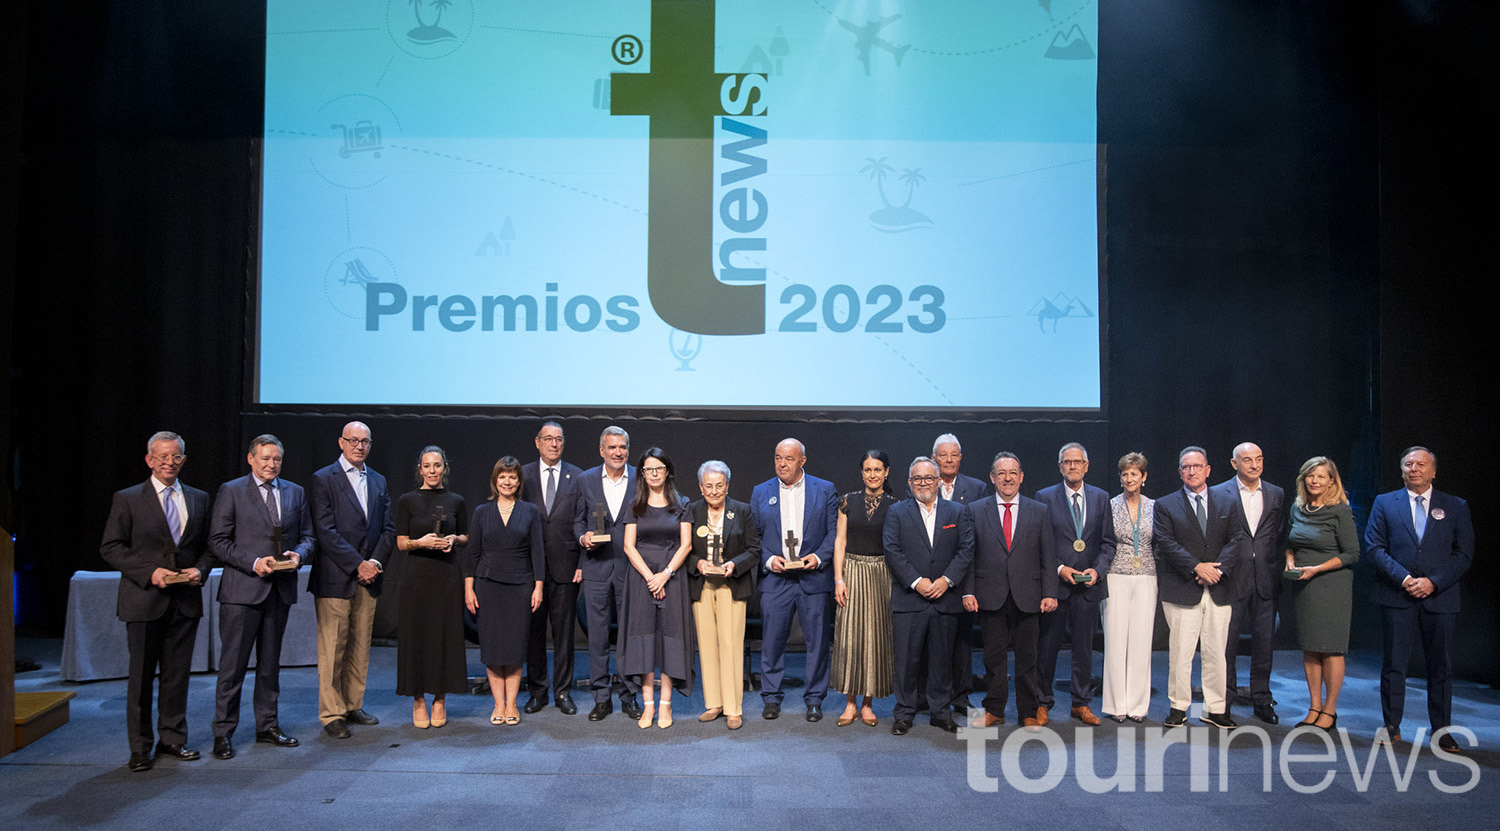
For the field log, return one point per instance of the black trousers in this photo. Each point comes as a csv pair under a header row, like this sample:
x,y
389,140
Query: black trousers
x,y
926,633
244,628
559,610
1081,617
1004,629
601,600
1401,627
164,646
1259,615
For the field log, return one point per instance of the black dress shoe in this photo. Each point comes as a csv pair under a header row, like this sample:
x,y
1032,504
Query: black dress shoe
x,y
223,748
947,725
815,712
1266,713
1447,744
601,710
536,704
360,717
176,751
1175,718
630,707
276,737
140,762
1219,720
771,711
336,729
565,703
901,727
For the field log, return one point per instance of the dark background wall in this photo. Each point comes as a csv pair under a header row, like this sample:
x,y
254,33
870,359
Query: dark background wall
x,y
1294,198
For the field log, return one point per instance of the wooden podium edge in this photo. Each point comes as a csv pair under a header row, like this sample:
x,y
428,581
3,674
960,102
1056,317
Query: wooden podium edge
x,y
7,643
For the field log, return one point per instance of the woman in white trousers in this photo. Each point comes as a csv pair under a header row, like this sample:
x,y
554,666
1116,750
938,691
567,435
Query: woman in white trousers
x,y
1130,611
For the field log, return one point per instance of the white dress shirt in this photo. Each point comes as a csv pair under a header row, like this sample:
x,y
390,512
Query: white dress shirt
x,y
614,491
1253,500
792,499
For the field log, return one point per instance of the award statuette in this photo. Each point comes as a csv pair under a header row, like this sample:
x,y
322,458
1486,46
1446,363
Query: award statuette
x,y
792,561
170,564
279,561
714,563
177,577
600,530
437,521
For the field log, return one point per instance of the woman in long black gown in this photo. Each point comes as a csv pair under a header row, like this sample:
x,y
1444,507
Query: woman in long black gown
x,y
656,615
430,522
863,646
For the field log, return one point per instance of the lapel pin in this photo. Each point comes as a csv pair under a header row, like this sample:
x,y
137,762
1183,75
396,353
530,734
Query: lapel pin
x,y
1437,513
772,502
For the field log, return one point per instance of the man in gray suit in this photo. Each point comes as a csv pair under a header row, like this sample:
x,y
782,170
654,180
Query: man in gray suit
x,y
260,520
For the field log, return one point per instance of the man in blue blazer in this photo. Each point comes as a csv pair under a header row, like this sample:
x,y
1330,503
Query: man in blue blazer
x,y
356,532
552,485
1083,539
159,530
1258,583
1200,546
251,516
795,509
964,489
929,546
606,491
1014,580
1422,542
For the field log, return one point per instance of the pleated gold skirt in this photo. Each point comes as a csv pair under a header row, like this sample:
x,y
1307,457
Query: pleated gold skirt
x,y
863,647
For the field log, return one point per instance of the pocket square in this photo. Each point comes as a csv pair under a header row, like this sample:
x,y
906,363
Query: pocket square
x,y
946,527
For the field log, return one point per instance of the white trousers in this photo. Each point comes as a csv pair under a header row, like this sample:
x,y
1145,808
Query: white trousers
x,y
1129,618
1204,626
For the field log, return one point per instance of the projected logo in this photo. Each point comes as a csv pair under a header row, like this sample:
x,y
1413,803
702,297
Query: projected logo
x,y
349,273
1056,308
360,127
429,28
866,38
893,219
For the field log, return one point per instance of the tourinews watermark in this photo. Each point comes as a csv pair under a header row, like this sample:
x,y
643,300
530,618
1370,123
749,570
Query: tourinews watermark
x,y
1308,760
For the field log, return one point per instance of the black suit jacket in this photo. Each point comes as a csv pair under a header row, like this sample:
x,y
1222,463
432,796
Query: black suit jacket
x,y
346,537
1098,535
1026,571
910,556
1267,546
137,542
557,527
741,547
599,562
241,534
1180,546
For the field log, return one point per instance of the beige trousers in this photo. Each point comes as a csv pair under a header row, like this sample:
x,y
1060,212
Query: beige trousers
x,y
344,627
720,622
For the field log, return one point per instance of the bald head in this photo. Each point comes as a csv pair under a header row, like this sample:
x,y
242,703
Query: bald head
x,y
790,457
1248,463
354,442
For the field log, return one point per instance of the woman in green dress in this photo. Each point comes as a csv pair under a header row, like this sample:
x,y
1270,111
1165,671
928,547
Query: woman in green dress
x,y
1322,545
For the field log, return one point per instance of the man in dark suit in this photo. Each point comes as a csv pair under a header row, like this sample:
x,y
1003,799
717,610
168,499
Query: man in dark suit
x,y
356,532
1014,580
1258,583
1083,539
1422,542
797,516
948,454
552,485
158,531
259,520
929,545
606,491
1199,546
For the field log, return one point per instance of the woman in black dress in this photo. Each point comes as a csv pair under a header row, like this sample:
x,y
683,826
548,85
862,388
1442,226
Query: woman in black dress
x,y
503,570
863,645
430,522
656,615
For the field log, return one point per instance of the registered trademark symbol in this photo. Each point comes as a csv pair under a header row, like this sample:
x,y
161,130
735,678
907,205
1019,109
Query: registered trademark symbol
x,y
626,49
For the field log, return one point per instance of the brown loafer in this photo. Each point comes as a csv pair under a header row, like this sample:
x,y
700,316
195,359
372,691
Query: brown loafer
x,y
1041,716
988,720
1085,715
1031,724
710,715
735,722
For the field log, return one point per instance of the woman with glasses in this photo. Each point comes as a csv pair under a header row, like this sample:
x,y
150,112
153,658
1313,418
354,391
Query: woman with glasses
x,y
863,646
656,617
431,522
1322,545
503,570
723,533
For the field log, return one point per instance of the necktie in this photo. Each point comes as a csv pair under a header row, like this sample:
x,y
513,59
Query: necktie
x,y
1202,516
1078,515
363,492
1006,523
1420,519
271,505
169,507
551,491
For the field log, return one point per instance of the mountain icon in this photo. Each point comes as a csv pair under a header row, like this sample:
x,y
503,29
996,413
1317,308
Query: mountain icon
x,y
1071,47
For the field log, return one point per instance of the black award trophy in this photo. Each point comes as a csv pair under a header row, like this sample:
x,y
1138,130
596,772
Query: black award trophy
x,y
600,530
714,564
791,561
279,560
176,576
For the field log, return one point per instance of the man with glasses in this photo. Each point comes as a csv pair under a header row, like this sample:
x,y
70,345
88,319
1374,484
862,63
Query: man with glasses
x,y
966,490
607,490
1083,538
929,546
1199,540
356,530
551,484
157,532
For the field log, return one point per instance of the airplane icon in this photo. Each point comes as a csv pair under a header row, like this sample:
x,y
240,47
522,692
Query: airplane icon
x,y
865,37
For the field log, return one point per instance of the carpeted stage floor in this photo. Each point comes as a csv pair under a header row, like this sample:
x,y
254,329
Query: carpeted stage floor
x,y
556,771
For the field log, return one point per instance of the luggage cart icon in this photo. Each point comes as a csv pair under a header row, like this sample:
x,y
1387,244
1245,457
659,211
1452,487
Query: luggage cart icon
x,y
364,137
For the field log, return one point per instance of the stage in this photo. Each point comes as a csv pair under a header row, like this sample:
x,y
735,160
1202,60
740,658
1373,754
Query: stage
x,y
556,771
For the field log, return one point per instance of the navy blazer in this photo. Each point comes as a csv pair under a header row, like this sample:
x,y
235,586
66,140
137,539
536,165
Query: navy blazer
x,y
505,552
741,547
1267,546
1443,555
910,557
241,534
558,538
1179,546
598,563
820,522
1026,571
346,537
966,489
137,542
1098,535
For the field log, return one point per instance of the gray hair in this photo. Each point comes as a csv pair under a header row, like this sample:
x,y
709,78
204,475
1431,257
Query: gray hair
x,y
166,435
550,423
801,448
265,439
713,466
612,430
920,460
946,438
1417,448
1006,454
1192,448
1072,445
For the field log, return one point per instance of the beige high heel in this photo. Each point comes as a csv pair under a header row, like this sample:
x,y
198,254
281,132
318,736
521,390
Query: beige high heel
x,y
648,714
665,719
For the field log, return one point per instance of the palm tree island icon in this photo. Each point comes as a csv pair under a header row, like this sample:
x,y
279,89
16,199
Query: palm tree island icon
x,y
430,32
894,219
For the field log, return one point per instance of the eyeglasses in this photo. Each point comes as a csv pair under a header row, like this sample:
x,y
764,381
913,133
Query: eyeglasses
x,y
173,458
1191,468
656,469
357,442
1074,462
550,439
923,480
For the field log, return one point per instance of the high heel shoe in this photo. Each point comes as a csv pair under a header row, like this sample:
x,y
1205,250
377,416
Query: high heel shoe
x,y
664,720
648,714
419,718
1313,722
438,720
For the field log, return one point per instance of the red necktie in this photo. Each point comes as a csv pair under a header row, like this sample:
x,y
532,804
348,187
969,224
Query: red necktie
x,y
1006,524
